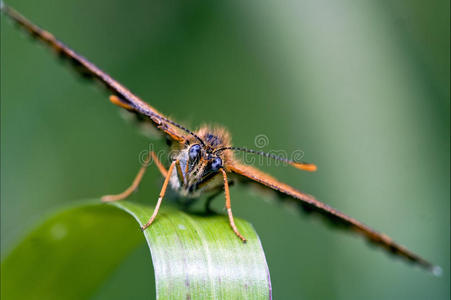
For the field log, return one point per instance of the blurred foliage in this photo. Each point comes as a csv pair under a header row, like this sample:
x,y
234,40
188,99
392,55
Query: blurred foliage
x,y
362,87
71,253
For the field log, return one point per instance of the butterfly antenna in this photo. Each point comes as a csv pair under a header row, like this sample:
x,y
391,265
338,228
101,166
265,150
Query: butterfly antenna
x,y
178,126
298,165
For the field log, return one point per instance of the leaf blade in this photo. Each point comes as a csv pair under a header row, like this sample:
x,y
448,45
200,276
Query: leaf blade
x,y
227,260
69,255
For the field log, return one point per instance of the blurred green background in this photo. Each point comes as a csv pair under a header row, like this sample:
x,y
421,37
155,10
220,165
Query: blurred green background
x,y
362,87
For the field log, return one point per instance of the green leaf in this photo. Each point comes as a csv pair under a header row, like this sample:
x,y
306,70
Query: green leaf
x,y
71,254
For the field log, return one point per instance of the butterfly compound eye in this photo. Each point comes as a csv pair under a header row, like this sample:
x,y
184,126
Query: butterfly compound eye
x,y
216,164
194,152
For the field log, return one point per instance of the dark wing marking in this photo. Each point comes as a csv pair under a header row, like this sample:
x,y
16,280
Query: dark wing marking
x,y
333,215
88,69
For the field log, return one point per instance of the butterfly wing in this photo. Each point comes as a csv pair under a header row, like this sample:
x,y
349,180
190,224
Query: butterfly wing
x,y
333,215
123,97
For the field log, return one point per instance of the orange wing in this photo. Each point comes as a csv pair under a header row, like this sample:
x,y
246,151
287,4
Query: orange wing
x,y
123,97
333,215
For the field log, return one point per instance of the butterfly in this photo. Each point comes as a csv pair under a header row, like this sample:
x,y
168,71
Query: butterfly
x,y
204,160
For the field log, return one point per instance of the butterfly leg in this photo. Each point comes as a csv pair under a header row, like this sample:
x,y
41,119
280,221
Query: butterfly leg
x,y
229,207
215,192
159,165
162,193
137,180
180,173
